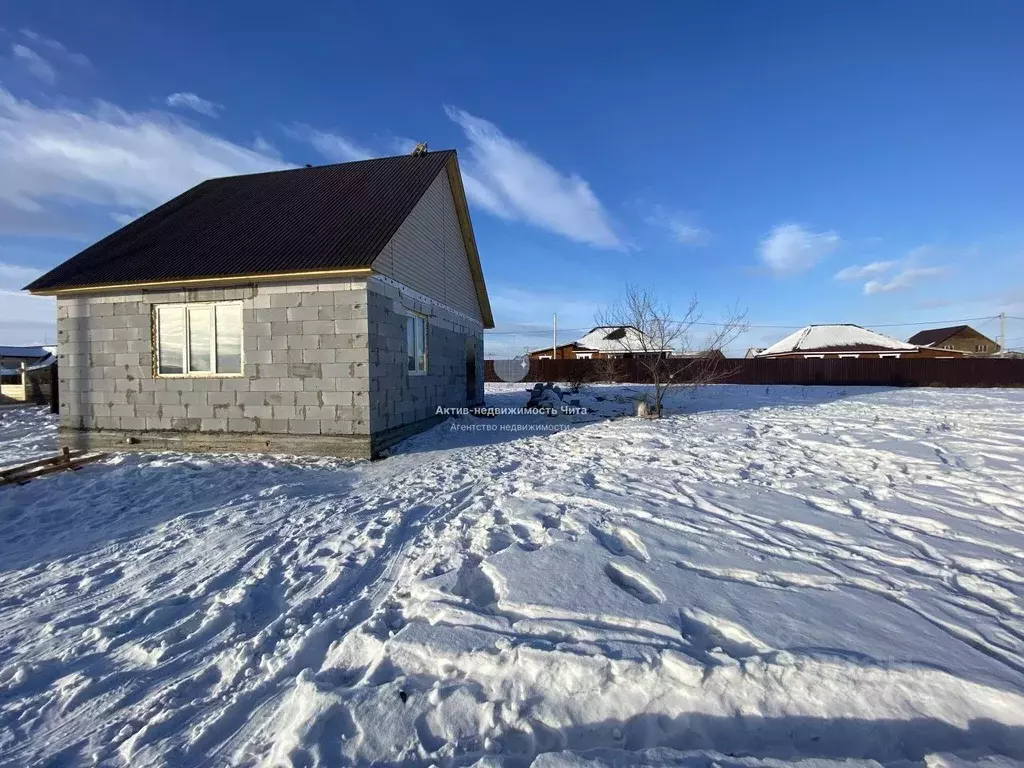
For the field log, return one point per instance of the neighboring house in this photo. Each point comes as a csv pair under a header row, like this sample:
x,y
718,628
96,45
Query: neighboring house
x,y
570,351
327,310
844,341
705,354
957,338
753,352
25,374
602,342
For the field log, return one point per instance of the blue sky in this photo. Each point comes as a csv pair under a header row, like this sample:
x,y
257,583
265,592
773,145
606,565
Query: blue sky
x,y
810,162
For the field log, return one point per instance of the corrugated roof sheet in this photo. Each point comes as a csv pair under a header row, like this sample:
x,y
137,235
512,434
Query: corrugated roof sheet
x,y
306,219
935,335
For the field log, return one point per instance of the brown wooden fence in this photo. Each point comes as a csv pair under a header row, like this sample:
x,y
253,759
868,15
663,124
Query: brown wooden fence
x,y
886,372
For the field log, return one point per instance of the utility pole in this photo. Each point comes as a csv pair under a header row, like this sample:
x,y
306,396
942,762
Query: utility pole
x,y
554,337
1002,332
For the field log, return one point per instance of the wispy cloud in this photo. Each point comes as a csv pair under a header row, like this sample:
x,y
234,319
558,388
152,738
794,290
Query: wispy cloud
x,y
680,226
791,248
508,180
36,64
184,100
78,59
904,279
123,218
333,146
860,271
904,273
24,319
14,276
265,147
56,158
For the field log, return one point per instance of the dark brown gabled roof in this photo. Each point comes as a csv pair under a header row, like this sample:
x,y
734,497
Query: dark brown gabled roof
x,y
328,218
935,335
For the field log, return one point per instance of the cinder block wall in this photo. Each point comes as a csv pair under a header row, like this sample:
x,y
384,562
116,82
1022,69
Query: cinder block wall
x,y
397,398
305,364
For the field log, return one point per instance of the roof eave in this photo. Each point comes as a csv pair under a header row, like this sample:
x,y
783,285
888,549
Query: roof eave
x,y
200,282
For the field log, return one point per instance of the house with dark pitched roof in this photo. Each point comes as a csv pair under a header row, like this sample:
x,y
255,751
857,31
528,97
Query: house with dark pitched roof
x,y
956,338
328,311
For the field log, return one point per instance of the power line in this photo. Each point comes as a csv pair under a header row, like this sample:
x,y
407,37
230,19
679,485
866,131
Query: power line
x,y
765,325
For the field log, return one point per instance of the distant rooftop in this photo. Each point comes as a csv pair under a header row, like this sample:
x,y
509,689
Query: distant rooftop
x,y
7,351
838,336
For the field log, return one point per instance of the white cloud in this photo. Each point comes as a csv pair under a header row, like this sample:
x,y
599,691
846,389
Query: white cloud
x,y
78,59
123,218
905,279
24,319
402,145
264,147
14,277
36,64
790,248
680,226
859,271
508,180
195,103
54,159
336,148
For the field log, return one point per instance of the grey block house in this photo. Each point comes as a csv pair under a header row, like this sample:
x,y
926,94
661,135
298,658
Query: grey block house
x,y
327,311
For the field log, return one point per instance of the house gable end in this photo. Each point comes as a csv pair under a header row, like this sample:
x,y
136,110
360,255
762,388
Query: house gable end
x,y
433,251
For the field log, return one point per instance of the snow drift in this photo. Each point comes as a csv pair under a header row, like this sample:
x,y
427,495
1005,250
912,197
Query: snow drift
x,y
811,576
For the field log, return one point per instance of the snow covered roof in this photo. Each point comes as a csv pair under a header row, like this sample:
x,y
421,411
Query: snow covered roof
x,y
617,338
839,336
46,362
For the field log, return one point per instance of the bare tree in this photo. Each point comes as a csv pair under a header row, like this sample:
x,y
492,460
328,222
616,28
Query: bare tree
x,y
608,369
670,349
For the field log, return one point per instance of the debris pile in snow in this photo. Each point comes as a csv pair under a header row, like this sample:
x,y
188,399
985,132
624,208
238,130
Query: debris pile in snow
x,y
552,399
784,576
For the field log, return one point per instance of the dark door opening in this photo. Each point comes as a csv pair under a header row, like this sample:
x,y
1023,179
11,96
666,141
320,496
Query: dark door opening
x,y
471,371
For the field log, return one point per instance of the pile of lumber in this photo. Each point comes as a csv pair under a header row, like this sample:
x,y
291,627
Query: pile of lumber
x,y
66,459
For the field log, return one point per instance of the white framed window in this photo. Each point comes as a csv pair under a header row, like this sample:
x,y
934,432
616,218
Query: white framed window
x,y
416,343
198,339
842,356
543,357
814,357
890,354
583,355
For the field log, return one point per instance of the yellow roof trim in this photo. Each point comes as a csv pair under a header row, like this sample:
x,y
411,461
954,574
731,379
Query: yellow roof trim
x,y
462,212
203,282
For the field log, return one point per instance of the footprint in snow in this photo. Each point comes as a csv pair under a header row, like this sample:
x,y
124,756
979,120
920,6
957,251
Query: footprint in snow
x,y
634,584
622,541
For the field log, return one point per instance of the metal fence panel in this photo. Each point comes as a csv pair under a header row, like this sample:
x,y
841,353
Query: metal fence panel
x,y
883,372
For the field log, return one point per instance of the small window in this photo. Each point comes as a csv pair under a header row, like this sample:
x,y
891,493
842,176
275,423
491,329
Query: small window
x,y
583,355
416,343
199,339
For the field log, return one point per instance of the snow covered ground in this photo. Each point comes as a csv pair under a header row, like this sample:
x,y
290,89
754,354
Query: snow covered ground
x,y
776,575
26,434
